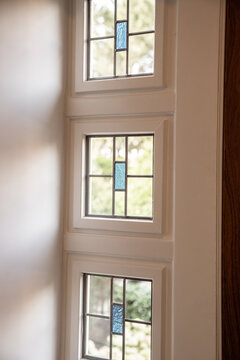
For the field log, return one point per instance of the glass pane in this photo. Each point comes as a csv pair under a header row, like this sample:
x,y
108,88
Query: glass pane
x,y
119,203
121,63
101,58
121,35
99,290
98,336
117,347
101,156
137,341
102,18
100,196
121,9
139,201
120,141
140,155
138,300
141,54
142,15
117,319
117,290
120,172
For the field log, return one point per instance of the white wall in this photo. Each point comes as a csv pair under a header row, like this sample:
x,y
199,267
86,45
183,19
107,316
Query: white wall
x,y
31,160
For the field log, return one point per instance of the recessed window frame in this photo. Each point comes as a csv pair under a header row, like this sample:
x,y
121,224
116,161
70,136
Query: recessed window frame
x,y
127,176
79,130
158,273
80,50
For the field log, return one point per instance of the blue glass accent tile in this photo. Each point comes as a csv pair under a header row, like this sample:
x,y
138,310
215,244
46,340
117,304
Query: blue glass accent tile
x,y
120,171
117,319
121,35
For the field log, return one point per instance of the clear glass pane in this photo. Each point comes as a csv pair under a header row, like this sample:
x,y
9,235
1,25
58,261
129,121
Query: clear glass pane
x,y
101,156
120,172
117,319
139,201
120,144
141,54
102,18
137,341
119,203
140,155
98,336
117,290
100,196
142,15
138,300
121,35
101,58
121,9
99,290
117,347
121,58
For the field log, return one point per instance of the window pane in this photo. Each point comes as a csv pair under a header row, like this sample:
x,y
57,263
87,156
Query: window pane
x,y
140,155
117,319
138,341
119,203
117,347
120,172
141,54
102,55
139,201
102,18
100,196
99,295
121,63
101,156
121,35
138,300
98,335
121,9
120,142
142,15
117,290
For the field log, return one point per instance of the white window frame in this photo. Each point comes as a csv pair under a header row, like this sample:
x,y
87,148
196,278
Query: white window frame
x,y
80,56
79,130
78,265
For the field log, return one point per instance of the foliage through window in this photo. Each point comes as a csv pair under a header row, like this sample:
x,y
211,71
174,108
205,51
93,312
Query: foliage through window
x,y
119,176
117,314
121,37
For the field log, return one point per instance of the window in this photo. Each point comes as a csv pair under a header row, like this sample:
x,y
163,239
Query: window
x,y
118,44
117,318
121,36
95,201
119,176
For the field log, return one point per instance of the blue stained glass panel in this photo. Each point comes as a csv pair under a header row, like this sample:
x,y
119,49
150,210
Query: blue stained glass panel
x,y
121,35
120,171
117,319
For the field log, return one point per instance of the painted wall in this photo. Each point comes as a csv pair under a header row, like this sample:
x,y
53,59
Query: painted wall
x,y
31,181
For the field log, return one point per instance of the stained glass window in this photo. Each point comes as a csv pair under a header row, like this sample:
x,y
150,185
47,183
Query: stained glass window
x,y
117,318
119,176
121,36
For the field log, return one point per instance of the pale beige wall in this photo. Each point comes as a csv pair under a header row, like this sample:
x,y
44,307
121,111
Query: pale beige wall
x,y
31,181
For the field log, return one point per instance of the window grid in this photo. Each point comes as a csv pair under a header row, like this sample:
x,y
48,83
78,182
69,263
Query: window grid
x,y
88,176
89,39
89,314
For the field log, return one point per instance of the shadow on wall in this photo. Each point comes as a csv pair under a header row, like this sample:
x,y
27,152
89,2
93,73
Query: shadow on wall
x,y
31,177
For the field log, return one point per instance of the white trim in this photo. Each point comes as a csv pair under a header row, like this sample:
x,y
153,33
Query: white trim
x,y
79,130
152,249
82,85
159,274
